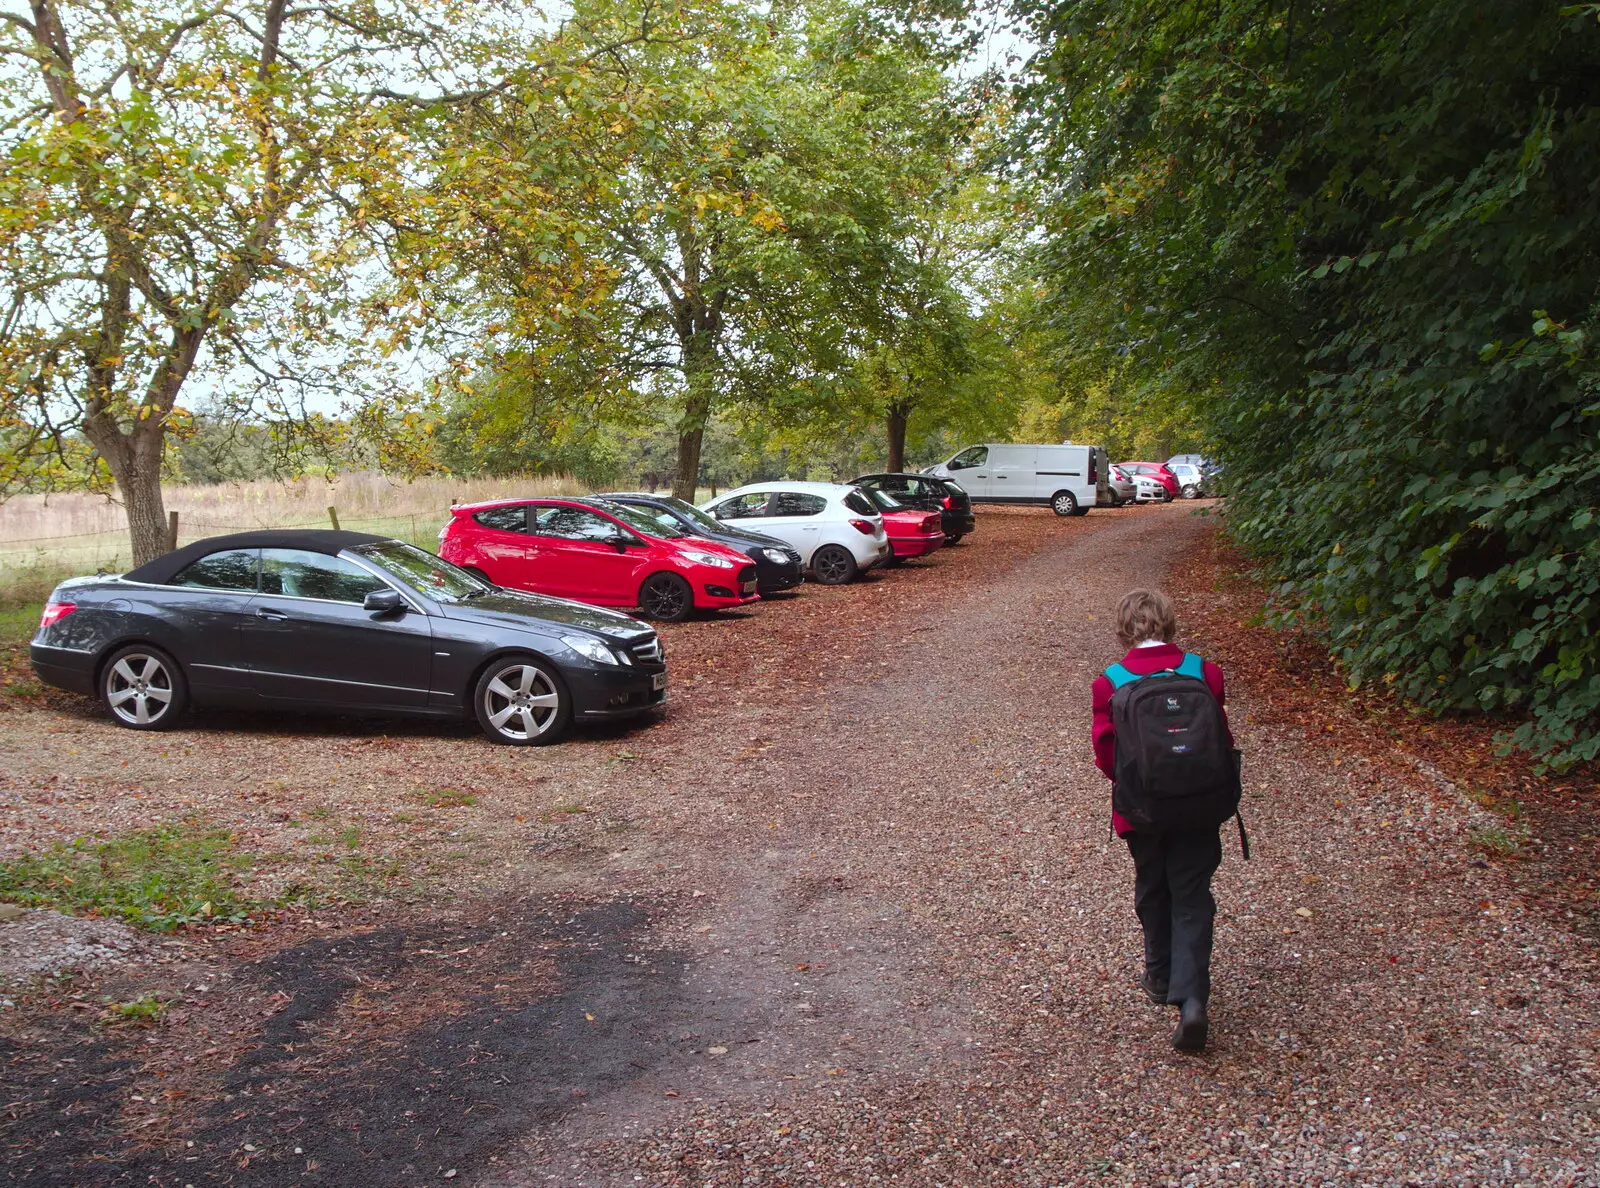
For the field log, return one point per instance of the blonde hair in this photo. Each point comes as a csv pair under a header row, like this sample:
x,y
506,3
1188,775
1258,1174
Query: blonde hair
x,y
1145,614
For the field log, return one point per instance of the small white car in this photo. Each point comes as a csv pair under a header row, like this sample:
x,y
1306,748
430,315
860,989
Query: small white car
x,y
835,528
1148,490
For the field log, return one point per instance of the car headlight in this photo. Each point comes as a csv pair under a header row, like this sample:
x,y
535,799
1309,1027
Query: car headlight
x,y
711,559
777,555
586,645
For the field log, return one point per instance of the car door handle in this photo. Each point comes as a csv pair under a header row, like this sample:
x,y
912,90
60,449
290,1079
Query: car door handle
x,y
266,612
1001,476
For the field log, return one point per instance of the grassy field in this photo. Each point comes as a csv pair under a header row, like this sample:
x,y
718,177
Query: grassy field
x,y
44,538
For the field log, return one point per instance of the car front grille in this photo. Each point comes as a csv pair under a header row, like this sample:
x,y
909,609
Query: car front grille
x,y
793,556
648,650
747,573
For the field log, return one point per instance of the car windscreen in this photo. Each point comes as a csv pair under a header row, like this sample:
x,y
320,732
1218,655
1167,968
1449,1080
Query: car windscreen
x,y
694,515
648,521
423,572
883,499
953,487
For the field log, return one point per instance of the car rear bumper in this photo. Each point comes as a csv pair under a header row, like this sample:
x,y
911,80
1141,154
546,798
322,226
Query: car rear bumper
x,y
64,668
957,523
614,694
916,546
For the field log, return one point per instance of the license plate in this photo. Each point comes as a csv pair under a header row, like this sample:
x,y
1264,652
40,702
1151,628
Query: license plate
x,y
658,681
748,587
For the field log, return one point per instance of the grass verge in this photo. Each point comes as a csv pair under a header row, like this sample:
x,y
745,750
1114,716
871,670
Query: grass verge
x,y
159,879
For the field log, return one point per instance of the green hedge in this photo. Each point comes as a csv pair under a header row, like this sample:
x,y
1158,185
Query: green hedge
x,y
1363,241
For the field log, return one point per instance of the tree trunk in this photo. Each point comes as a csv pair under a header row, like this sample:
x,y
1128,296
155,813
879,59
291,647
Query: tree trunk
x,y
899,414
135,463
699,364
691,432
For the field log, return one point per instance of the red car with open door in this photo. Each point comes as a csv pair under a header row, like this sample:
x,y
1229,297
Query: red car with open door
x,y
597,552
912,532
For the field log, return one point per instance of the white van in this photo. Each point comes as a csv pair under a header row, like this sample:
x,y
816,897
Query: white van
x,y
1069,479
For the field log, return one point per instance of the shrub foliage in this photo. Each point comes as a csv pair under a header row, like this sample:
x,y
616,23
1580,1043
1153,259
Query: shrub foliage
x,y
1361,239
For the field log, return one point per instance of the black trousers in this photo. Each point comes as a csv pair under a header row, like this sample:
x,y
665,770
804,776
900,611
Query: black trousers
x,y
1172,894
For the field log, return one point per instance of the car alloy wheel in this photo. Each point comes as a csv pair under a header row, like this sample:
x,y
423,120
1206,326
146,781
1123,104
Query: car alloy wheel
x,y
143,688
833,565
522,702
1064,503
1191,492
666,597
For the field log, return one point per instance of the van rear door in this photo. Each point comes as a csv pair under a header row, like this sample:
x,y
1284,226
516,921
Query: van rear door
x,y
1065,468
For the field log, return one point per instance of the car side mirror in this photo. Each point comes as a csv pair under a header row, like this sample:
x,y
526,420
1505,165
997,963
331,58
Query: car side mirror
x,y
383,602
619,541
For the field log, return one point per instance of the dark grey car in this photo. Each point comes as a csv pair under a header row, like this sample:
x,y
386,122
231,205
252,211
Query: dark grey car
x,y
341,622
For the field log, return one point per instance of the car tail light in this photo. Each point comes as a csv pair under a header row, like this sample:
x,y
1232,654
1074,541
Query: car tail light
x,y
933,524
54,612
949,503
862,526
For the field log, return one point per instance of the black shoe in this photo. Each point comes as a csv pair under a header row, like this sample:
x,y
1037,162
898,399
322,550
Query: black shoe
x,y
1192,1027
1154,989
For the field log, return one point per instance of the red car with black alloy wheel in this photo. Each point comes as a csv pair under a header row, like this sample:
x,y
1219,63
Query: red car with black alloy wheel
x,y
590,550
912,531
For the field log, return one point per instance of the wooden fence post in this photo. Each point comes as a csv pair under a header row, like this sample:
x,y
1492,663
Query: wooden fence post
x,y
333,516
172,531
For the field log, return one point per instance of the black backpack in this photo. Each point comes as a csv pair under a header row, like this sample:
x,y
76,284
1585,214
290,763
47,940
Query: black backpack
x,y
1175,769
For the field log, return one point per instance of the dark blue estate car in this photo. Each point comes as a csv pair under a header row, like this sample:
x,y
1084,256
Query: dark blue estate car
x,y
341,622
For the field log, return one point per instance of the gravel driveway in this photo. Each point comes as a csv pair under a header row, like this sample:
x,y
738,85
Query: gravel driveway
x,y
852,917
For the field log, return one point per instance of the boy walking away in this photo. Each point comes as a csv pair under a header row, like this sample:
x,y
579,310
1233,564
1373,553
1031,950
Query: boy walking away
x,y
1161,736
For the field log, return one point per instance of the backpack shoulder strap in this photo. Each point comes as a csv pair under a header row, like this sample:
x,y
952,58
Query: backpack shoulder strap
x,y
1192,666
1120,676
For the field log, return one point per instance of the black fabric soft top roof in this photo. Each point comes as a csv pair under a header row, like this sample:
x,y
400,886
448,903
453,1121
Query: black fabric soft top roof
x,y
314,540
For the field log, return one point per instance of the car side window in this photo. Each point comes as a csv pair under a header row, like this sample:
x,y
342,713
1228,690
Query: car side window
x,y
858,503
794,503
744,507
967,458
234,569
504,519
576,523
898,486
297,573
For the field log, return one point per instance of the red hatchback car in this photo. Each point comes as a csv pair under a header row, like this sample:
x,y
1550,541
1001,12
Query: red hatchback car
x,y
912,532
593,551
1155,470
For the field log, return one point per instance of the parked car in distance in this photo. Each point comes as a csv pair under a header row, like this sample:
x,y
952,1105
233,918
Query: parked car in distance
x,y
1191,480
1149,489
912,531
341,622
1198,461
835,528
597,552
929,493
1155,470
1120,487
1065,478
778,566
